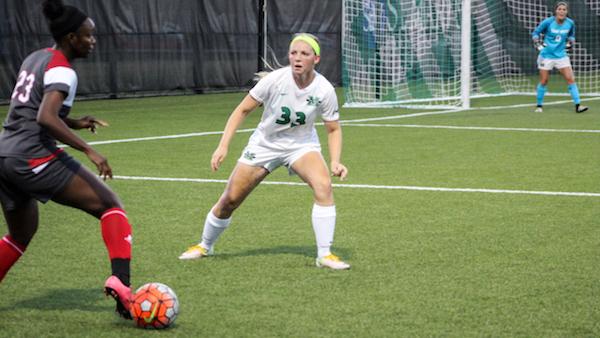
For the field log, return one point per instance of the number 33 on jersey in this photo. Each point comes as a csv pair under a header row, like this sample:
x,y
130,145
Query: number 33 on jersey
x,y
290,112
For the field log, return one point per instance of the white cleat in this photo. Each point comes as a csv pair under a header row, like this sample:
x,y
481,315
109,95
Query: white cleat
x,y
195,252
332,262
538,110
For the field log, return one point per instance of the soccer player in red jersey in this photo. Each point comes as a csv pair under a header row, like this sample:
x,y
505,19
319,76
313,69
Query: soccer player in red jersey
x,y
33,168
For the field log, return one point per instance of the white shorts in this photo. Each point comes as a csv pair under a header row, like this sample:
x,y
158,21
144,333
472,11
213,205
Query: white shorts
x,y
549,64
272,159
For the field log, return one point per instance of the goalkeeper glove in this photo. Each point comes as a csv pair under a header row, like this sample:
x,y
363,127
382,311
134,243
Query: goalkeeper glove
x,y
569,46
538,44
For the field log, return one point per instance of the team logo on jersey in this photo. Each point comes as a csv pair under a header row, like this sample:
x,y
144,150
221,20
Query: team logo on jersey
x,y
313,101
249,156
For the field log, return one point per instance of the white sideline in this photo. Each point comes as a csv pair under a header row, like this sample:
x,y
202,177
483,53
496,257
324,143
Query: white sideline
x,y
350,122
370,186
152,138
439,112
425,126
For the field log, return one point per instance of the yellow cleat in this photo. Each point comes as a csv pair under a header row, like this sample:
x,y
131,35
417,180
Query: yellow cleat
x,y
332,262
195,252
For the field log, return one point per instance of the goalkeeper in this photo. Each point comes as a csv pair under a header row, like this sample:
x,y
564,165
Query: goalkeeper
x,y
558,33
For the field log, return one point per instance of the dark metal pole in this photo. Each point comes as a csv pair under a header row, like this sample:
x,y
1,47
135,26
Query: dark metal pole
x,y
261,35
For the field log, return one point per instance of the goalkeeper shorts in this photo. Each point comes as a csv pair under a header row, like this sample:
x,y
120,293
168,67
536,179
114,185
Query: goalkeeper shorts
x,y
549,64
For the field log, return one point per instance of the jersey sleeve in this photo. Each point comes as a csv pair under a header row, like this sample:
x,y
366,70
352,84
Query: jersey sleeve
x,y
59,78
329,106
63,79
571,35
541,28
261,91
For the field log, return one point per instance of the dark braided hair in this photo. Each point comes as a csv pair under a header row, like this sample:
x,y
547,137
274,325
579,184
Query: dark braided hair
x,y
62,19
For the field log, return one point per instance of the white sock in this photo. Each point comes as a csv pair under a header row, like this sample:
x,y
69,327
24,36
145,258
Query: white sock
x,y
323,221
213,227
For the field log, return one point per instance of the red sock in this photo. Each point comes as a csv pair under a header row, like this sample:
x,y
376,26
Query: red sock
x,y
10,252
116,233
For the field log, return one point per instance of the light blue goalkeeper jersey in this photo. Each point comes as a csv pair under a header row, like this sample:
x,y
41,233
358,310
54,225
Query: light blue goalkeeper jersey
x,y
555,37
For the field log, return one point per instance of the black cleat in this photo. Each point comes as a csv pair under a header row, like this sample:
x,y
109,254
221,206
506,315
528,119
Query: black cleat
x,y
580,109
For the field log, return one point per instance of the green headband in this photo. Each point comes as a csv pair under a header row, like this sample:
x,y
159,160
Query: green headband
x,y
310,40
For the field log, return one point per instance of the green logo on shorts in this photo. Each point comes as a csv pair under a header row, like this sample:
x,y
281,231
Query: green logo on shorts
x,y
249,156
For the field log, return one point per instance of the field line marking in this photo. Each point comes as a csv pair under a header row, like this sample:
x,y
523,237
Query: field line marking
x,y
345,122
548,130
403,116
152,138
522,105
370,186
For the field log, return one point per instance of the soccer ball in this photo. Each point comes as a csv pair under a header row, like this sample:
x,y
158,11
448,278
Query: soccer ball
x,y
155,306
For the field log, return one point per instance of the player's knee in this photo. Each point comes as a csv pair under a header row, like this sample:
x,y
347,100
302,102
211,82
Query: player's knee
x,y
109,201
113,201
23,238
322,190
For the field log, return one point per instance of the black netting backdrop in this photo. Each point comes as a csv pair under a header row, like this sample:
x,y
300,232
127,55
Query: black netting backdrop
x,y
158,47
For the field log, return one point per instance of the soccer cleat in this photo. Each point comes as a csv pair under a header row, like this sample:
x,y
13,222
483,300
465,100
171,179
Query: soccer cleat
x,y
580,109
538,109
122,295
332,262
195,252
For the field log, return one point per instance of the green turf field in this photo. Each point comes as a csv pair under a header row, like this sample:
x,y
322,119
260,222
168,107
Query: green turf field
x,y
480,223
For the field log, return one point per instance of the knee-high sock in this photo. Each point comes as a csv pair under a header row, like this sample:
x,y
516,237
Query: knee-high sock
x,y
10,252
574,91
213,227
116,232
323,222
541,91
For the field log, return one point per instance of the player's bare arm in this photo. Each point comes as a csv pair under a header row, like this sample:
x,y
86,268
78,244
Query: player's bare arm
x,y
49,119
334,137
235,120
86,122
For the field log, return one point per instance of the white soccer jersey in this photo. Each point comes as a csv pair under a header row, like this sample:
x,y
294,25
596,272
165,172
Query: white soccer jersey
x,y
288,120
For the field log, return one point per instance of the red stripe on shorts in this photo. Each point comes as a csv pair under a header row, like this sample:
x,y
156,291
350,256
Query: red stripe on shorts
x,y
34,162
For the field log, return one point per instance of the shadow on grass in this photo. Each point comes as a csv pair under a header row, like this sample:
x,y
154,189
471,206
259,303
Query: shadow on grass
x,y
306,251
88,300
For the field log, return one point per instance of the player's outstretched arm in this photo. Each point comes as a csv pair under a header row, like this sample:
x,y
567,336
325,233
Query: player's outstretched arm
x,y
235,120
57,127
86,122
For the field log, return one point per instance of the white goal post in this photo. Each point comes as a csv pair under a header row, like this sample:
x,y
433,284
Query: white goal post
x,y
442,53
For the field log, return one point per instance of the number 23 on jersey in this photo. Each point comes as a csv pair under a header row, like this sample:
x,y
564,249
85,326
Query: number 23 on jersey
x,y
25,81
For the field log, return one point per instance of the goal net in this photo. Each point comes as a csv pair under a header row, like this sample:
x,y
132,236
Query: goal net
x,y
420,52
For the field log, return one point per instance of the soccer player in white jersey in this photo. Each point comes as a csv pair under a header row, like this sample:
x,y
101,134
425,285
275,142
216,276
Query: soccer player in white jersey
x,y
558,34
293,98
